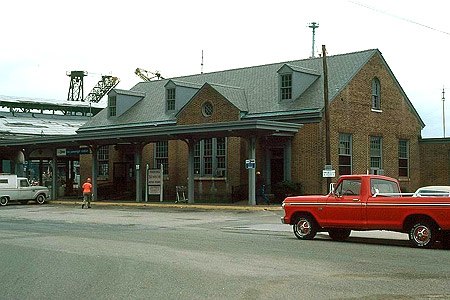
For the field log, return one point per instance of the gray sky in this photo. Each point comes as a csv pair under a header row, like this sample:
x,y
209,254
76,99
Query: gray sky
x,y
42,40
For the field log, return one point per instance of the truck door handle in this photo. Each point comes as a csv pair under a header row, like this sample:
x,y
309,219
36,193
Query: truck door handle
x,y
355,200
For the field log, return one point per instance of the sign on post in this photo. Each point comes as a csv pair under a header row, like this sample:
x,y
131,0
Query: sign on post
x,y
154,182
250,164
329,173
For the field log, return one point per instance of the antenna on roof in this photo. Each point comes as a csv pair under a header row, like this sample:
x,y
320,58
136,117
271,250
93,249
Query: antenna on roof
x,y
202,63
313,26
443,109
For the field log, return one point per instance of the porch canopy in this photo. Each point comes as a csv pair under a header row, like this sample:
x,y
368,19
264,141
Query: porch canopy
x,y
140,135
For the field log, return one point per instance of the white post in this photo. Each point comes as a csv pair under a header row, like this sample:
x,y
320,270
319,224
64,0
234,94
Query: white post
x,y
162,184
252,172
146,182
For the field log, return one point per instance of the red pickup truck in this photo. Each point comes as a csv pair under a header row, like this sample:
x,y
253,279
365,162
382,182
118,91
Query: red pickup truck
x,y
369,202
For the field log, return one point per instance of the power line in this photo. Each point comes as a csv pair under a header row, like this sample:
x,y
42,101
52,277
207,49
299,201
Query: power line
x,y
398,17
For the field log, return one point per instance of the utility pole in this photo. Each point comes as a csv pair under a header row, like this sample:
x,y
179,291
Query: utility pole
x,y
443,109
327,112
202,64
313,26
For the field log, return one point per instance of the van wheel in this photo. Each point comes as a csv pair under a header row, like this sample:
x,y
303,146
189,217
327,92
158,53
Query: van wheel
x,y
40,199
339,234
423,234
305,227
3,201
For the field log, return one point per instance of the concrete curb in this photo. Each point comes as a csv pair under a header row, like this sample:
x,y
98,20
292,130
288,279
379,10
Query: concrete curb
x,y
173,205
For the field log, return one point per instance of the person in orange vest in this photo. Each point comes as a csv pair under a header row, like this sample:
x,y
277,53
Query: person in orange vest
x,y
87,193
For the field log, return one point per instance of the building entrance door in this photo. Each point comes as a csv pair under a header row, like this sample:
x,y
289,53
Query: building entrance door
x,y
276,165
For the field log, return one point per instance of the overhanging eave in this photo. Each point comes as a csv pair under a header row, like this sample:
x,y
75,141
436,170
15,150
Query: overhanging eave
x,y
244,128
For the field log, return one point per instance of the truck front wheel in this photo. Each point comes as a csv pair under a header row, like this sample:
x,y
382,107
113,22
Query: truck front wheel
x,y
3,201
305,227
40,199
423,234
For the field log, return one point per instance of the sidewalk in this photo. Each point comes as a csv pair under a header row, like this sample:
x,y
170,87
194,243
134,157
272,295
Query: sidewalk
x,y
214,206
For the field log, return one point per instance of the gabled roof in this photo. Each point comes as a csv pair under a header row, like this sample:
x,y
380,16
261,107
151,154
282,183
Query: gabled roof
x,y
184,83
128,92
300,69
252,89
236,95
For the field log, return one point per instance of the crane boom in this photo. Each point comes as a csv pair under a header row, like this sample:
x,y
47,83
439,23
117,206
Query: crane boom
x,y
102,88
147,75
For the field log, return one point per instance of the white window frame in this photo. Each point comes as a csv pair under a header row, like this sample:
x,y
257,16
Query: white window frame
x,y
103,161
210,157
345,150
112,106
162,156
286,86
403,155
170,99
376,154
376,94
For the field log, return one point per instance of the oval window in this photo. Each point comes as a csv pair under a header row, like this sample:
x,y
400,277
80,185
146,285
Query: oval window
x,y
207,109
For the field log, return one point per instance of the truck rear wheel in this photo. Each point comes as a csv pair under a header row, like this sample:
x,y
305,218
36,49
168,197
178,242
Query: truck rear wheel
x,y
40,199
339,234
3,201
305,227
423,234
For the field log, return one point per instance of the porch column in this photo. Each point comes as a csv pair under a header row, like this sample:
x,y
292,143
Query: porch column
x,y
138,162
94,171
191,182
267,169
54,177
252,172
287,160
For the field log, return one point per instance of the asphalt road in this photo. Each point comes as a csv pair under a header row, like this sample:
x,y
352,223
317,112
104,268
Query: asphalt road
x,y
63,252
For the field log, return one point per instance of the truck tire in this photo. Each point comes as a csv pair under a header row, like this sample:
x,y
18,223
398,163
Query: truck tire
x,y
40,199
305,227
423,234
339,234
3,201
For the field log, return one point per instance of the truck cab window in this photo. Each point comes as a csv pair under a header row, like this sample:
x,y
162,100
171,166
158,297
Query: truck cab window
x,y
23,183
383,186
349,187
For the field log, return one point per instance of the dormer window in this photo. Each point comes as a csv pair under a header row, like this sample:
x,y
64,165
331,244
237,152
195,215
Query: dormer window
x,y
286,87
170,98
376,99
112,100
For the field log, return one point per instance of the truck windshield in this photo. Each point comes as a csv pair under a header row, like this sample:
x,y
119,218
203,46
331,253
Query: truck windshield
x,y
383,186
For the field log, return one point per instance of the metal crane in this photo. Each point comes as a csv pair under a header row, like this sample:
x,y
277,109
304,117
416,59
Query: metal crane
x,y
76,89
147,75
76,85
102,87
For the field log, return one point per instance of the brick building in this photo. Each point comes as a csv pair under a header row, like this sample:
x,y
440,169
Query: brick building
x,y
203,128
434,161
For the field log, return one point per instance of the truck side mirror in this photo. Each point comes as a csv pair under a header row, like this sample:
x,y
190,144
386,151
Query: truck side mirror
x,y
332,186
